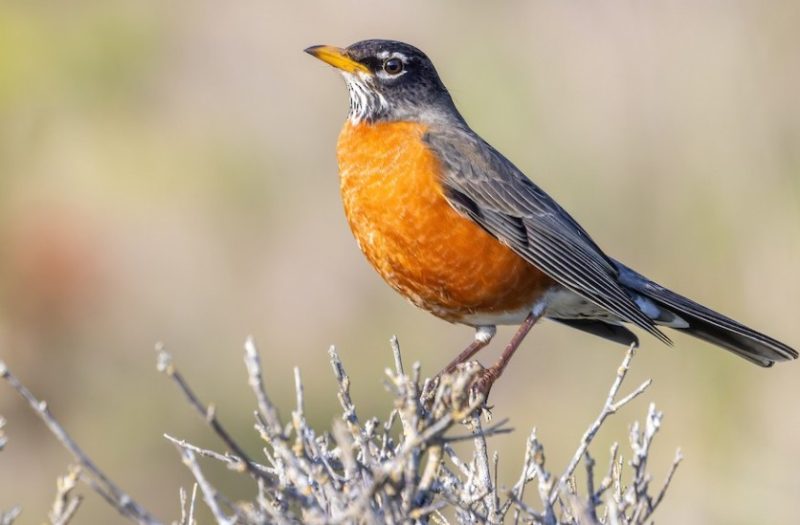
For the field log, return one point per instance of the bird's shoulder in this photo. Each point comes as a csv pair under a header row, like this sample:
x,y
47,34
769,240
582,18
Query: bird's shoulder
x,y
477,174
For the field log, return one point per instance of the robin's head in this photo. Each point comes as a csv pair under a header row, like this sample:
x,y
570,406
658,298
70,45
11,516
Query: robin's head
x,y
389,81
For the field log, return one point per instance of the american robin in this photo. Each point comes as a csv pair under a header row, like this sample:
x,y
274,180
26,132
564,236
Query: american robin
x,y
456,228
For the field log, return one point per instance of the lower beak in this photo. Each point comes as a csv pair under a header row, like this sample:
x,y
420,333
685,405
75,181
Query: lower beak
x,y
337,57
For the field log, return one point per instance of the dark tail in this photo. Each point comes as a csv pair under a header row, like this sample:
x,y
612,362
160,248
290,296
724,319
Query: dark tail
x,y
706,324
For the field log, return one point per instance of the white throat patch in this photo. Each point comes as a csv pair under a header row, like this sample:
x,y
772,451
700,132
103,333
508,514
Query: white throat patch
x,y
363,98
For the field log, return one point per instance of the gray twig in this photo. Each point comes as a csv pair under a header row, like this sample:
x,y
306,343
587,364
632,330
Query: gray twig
x,y
610,407
8,517
66,503
266,408
210,495
373,471
105,487
208,413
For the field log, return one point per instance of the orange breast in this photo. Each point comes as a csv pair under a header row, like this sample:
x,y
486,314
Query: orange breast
x,y
421,246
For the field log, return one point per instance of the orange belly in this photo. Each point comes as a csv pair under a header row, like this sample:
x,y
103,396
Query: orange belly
x,y
438,259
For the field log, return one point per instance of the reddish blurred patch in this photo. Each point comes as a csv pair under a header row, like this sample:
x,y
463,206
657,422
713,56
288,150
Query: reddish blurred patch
x,y
49,271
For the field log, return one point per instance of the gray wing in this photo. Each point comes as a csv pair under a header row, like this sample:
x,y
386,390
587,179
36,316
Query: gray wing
x,y
483,185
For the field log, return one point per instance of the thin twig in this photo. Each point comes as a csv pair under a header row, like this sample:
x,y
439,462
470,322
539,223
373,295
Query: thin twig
x,y
591,499
120,500
65,504
8,517
210,495
484,478
266,408
497,428
232,461
208,413
398,358
610,407
349,414
3,438
661,493
184,513
373,471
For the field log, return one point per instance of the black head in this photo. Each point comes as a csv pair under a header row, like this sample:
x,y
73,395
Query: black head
x,y
389,80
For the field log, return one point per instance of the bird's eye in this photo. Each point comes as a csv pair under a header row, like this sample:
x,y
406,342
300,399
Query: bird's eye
x,y
393,66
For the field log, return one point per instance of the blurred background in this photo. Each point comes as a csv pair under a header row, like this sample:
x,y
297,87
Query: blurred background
x,y
167,173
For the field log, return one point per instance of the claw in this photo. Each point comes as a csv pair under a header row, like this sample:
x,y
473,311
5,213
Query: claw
x,y
483,381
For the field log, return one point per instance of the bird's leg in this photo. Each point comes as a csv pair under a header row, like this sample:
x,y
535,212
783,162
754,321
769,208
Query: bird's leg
x,y
483,334
486,378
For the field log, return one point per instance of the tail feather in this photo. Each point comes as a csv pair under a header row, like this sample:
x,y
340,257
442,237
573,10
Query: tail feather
x,y
709,325
612,332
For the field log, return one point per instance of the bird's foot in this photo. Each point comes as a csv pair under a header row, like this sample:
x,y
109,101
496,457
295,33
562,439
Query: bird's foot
x,y
483,381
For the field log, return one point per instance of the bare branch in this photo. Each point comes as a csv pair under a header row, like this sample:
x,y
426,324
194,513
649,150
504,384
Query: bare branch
x,y
266,408
9,516
65,504
210,495
116,496
166,366
374,471
232,461
665,486
610,407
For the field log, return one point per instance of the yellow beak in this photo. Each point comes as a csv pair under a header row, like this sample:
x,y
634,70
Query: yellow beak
x,y
337,57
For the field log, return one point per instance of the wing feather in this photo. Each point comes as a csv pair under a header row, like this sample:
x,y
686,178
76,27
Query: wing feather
x,y
483,185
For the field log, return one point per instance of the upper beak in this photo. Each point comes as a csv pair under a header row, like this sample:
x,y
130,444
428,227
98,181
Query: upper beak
x,y
337,57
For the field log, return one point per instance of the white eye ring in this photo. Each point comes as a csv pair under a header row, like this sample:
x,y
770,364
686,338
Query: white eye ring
x,y
393,66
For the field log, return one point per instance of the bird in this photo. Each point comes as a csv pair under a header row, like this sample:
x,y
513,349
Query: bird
x,y
461,232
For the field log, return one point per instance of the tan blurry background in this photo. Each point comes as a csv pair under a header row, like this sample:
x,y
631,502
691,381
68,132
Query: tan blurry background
x,y
167,173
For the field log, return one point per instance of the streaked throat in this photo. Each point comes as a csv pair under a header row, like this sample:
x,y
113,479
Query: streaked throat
x,y
366,103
